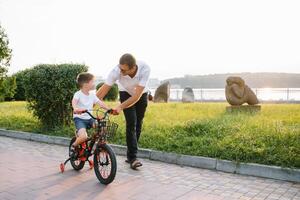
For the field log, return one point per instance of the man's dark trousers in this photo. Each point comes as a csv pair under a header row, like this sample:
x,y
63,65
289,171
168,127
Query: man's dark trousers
x,y
134,116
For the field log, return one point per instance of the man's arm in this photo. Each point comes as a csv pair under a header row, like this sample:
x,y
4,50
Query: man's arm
x,y
132,100
111,79
102,91
138,92
100,103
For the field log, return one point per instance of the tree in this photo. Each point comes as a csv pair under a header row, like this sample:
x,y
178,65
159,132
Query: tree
x,y
5,53
6,90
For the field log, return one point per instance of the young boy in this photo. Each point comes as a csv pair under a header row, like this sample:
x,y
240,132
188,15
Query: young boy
x,y
84,100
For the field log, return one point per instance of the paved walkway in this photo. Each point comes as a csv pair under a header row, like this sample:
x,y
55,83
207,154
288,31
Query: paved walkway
x,y
30,170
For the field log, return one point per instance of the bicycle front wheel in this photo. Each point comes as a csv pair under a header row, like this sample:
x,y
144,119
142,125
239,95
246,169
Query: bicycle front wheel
x,y
105,164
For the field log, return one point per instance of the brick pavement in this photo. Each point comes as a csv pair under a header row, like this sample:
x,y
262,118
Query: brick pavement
x,y
30,170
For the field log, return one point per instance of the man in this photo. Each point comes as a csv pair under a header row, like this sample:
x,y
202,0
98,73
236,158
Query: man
x,y
132,77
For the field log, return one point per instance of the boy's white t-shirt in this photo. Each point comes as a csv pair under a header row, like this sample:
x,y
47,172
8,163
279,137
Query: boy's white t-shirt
x,y
128,84
85,102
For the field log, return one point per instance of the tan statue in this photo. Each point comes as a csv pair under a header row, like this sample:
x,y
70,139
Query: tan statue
x,y
162,93
237,92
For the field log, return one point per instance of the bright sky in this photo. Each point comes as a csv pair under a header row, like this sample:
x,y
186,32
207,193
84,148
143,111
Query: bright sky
x,y
175,37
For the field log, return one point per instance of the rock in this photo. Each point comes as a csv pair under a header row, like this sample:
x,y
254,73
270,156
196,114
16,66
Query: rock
x,y
188,95
162,93
238,93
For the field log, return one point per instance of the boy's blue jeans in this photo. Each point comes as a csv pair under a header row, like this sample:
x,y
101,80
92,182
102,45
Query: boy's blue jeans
x,y
83,123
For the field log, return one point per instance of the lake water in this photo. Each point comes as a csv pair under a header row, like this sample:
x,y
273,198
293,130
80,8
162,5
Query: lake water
x,y
265,94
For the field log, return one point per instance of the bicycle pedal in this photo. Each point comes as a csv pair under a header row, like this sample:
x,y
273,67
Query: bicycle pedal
x,y
91,163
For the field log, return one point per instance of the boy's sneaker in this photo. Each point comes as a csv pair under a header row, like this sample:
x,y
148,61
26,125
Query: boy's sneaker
x,y
81,149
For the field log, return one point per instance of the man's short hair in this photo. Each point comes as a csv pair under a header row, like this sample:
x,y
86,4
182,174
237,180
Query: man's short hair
x,y
84,77
128,59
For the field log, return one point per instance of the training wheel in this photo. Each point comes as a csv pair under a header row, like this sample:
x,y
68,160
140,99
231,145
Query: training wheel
x,y
62,167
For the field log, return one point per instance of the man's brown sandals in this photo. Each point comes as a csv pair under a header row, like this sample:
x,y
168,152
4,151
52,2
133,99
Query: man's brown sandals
x,y
134,163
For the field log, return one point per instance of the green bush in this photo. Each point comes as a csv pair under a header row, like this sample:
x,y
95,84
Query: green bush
x,y
49,90
20,90
112,95
7,88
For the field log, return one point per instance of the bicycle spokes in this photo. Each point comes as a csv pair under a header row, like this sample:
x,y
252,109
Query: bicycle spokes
x,y
104,164
104,161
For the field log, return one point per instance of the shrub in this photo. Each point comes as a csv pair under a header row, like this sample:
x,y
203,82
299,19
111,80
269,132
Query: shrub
x,y
7,88
20,90
49,90
112,95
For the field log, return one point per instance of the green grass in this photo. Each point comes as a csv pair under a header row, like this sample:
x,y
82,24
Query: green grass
x,y
271,136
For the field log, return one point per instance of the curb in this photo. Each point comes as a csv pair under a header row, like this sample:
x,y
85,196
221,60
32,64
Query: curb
x,y
265,171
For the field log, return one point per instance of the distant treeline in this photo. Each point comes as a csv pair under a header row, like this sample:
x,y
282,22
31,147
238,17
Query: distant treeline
x,y
254,80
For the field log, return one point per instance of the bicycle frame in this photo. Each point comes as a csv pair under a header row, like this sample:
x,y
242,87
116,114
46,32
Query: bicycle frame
x,y
94,138
97,136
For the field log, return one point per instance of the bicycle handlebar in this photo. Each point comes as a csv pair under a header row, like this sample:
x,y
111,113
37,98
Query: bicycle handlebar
x,y
105,114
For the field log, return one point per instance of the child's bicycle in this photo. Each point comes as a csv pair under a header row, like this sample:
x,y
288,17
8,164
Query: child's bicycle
x,y
105,164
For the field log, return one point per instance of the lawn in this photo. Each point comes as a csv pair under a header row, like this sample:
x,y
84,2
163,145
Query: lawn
x,y
271,136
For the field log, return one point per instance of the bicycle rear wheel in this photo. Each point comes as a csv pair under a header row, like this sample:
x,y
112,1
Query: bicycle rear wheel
x,y
105,164
76,163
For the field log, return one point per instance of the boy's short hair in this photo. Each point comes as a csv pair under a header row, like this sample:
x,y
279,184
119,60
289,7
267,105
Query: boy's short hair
x,y
84,77
127,59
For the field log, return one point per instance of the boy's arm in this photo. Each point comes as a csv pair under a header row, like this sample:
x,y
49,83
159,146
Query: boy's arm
x,y
100,103
76,109
74,105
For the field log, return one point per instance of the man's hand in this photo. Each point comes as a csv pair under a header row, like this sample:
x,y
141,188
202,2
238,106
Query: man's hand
x,y
131,100
117,110
114,112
